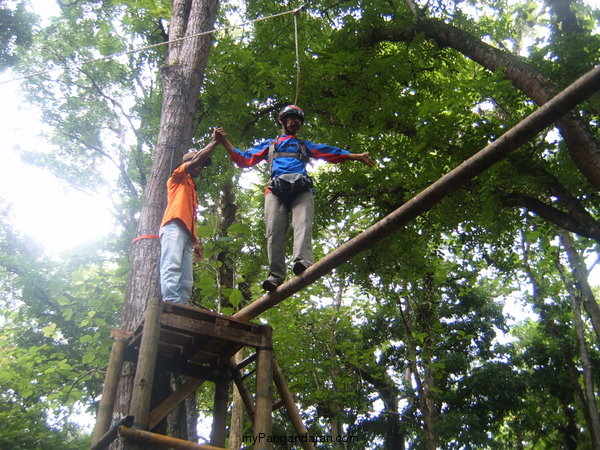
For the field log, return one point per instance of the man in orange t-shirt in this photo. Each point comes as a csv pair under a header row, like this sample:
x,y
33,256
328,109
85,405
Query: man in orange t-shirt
x,y
178,241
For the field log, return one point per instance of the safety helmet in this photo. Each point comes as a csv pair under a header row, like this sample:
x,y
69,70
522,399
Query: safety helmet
x,y
290,110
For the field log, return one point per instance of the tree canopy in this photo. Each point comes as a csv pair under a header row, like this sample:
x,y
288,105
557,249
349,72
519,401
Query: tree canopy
x,y
417,342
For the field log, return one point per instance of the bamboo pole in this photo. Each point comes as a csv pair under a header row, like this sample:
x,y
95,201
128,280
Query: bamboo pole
x,y
290,406
263,425
147,437
144,374
545,116
111,383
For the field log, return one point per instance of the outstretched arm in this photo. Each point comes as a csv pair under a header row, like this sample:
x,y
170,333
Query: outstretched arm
x,y
199,159
365,158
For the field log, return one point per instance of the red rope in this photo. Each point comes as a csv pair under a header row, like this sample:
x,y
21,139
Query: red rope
x,y
147,236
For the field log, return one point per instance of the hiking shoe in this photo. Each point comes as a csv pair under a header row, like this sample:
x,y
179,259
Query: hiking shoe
x,y
299,267
269,285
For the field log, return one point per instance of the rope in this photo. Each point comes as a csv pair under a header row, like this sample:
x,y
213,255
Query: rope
x,y
149,47
147,236
297,55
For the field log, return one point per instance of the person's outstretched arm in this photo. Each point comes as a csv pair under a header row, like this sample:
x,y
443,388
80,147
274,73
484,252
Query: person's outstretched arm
x,y
365,158
201,156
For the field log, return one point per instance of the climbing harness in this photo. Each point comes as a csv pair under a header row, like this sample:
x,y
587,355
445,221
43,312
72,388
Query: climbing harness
x,y
289,183
302,155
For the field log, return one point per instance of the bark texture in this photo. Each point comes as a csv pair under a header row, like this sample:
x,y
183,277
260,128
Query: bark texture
x,y
182,77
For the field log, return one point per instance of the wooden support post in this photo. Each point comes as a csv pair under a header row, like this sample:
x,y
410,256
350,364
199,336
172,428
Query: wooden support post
x,y
221,402
545,116
111,382
290,406
144,374
263,426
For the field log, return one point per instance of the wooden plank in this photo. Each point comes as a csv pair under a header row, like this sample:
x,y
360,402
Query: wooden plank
x,y
218,433
200,328
290,405
149,440
184,367
206,315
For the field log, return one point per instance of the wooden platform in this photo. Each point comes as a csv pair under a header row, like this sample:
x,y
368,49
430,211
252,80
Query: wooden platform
x,y
196,342
199,344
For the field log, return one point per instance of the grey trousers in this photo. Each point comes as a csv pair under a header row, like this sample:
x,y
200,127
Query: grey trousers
x,y
277,212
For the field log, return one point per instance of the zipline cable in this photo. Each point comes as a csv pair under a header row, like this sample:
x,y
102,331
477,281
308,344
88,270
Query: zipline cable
x,y
149,47
202,115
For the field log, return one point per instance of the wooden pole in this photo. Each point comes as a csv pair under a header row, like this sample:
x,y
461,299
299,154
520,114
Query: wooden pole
x,y
111,383
171,402
290,406
545,116
146,437
242,389
144,374
219,424
263,425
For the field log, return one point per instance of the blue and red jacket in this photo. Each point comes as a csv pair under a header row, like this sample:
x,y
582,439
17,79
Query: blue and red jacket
x,y
287,164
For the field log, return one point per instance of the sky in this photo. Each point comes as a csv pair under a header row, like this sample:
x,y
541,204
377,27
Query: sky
x,y
42,207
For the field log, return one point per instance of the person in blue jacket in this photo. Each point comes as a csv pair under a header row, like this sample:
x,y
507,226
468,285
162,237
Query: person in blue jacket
x,y
289,189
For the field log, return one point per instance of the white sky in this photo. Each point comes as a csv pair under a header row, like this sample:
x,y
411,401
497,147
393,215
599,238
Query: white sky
x,y
41,206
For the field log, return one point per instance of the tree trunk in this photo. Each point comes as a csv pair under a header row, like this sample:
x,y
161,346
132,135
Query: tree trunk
x,y
588,378
570,431
182,77
423,382
581,280
227,279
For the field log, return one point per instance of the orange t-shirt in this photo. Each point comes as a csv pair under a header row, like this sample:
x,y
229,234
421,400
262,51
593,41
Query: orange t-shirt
x,y
182,201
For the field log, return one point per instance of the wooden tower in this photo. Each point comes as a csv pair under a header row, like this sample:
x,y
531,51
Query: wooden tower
x,y
198,344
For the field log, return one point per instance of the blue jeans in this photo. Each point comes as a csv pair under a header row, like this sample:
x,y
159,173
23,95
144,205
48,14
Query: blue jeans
x,y
176,271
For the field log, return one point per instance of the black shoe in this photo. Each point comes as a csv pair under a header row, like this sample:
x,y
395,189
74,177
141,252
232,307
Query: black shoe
x,y
299,267
269,285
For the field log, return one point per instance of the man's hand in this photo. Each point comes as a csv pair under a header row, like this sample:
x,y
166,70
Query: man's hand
x,y
221,137
364,158
198,252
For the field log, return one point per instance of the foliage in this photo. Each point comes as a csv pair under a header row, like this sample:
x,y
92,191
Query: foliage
x,y
54,340
16,31
421,316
